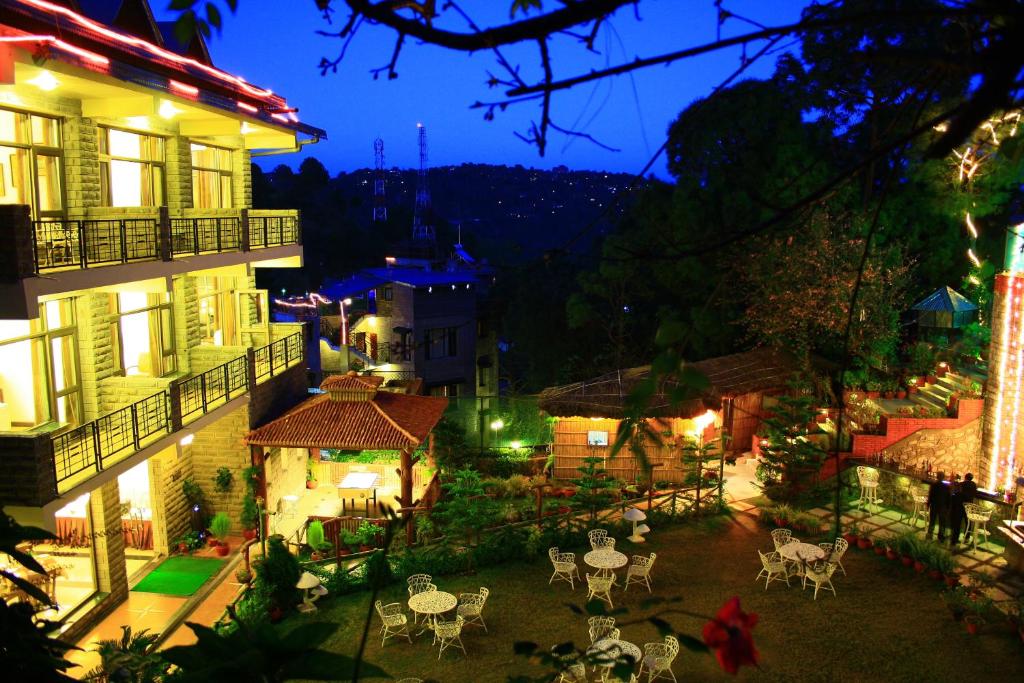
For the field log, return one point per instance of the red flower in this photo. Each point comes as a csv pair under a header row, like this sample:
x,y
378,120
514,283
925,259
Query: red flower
x,y
728,634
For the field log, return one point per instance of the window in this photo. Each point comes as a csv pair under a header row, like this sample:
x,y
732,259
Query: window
x,y
31,162
131,168
39,375
597,438
389,293
441,342
211,177
217,310
143,334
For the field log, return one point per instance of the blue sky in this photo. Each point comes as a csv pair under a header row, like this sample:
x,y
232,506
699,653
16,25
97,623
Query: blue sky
x,y
279,49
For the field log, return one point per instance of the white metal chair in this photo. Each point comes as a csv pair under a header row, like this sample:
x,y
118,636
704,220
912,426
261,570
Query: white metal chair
x,y
640,571
449,634
839,549
599,538
821,575
393,621
867,477
600,627
565,567
600,588
781,537
977,520
471,607
772,567
920,511
419,583
658,658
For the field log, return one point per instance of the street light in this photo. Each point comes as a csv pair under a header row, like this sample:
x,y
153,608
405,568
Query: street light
x,y
344,321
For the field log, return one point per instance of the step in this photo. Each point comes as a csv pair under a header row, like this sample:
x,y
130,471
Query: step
x,y
926,399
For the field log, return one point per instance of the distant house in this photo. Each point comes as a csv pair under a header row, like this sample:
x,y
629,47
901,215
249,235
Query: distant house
x,y
420,318
588,413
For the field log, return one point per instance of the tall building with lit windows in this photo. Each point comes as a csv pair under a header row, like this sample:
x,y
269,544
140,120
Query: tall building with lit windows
x,y
135,349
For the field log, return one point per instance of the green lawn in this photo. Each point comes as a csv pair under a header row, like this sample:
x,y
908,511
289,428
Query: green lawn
x,y
887,624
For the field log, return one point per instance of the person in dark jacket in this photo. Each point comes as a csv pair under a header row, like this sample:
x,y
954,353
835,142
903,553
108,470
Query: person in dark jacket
x,y
938,506
957,516
970,489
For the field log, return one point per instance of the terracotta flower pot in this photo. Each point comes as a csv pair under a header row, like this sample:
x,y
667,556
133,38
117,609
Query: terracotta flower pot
x,y
891,555
879,550
850,538
212,542
863,543
183,547
972,626
919,566
901,394
952,580
311,483
907,560
935,574
912,390
276,614
223,549
780,522
249,534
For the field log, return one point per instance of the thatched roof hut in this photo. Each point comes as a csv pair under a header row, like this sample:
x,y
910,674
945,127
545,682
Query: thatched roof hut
x,y
757,371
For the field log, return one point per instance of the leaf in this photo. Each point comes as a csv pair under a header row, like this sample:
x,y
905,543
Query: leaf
x,y
233,5
563,649
213,16
575,608
307,636
185,27
692,644
596,608
181,4
524,647
664,628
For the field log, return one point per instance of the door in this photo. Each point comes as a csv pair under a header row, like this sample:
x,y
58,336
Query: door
x,y
251,309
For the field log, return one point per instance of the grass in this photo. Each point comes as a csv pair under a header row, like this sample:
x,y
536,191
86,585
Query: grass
x,y
179,575
886,624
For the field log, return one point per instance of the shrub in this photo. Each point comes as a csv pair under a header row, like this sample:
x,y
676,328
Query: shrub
x,y
279,573
222,480
315,536
253,609
518,486
368,533
220,525
377,570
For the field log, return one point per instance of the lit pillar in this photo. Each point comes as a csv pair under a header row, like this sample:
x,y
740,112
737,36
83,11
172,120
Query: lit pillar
x,y
1003,441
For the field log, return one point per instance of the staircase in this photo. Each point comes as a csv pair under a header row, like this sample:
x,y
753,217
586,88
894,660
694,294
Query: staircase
x,y
937,395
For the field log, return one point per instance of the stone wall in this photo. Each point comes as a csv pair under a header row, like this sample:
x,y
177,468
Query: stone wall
x,y
118,392
81,165
203,358
111,573
178,152
286,474
167,470
269,400
27,463
186,318
948,450
96,349
222,445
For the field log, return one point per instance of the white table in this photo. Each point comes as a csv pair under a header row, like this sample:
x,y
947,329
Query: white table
x,y
798,553
613,649
605,561
362,485
430,604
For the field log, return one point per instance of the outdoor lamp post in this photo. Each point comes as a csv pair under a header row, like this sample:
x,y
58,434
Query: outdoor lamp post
x,y
636,515
344,320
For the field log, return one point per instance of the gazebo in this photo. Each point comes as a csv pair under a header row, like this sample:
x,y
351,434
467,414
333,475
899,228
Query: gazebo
x,y
352,414
729,401
946,309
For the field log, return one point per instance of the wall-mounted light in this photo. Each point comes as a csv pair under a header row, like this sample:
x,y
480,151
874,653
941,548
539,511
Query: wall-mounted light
x,y
167,110
246,128
187,439
45,81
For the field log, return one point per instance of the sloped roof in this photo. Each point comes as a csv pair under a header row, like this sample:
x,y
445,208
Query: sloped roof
x,y
351,381
947,300
727,376
388,421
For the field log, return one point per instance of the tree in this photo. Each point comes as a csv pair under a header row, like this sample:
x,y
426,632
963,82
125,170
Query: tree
x,y
129,659
790,457
465,508
593,487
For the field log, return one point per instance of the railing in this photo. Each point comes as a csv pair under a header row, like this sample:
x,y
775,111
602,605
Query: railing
x,y
273,231
89,446
394,375
277,356
201,235
213,387
61,243
113,437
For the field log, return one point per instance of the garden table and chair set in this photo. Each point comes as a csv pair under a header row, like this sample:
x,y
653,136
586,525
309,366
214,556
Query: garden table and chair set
x,y
606,645
428,604
793,558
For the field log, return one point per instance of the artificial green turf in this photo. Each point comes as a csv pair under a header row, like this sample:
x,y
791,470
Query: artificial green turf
x,y
180,575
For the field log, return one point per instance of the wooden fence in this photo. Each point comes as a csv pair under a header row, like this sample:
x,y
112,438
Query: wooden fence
x,y
331,473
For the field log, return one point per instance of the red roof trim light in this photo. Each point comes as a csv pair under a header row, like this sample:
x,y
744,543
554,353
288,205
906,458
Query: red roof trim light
x,y
57,42
155,50
183,88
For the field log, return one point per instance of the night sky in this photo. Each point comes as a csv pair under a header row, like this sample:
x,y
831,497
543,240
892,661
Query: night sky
x,y
277,48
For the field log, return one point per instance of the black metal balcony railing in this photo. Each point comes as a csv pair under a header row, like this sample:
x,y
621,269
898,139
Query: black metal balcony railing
x,y
219,384
86,447
273,231
113,437
59,243
274,357
200,235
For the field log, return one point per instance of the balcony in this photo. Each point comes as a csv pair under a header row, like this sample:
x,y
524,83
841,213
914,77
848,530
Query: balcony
x,y
82,452
81,243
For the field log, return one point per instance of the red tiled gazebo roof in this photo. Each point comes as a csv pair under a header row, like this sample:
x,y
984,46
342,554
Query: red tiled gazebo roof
x,y
382,421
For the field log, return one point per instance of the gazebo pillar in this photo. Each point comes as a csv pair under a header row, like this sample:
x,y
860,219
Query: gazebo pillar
x,y
406,463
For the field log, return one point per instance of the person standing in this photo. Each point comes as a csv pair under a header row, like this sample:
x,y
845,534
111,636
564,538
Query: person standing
x,y
970,489
938,506
957,516
968,492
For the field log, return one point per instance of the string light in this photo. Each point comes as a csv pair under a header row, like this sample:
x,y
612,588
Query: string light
x,y
57,42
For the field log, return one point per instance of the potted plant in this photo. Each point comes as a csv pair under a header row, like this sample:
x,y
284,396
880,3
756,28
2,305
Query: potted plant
x,y
911,385
349,543
243,575
864,540
906,545
978,606
851,534
956,601
315,540
367,533
880,549
943,566
220,526
310,475
222,480
922,557
901,392
890,551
